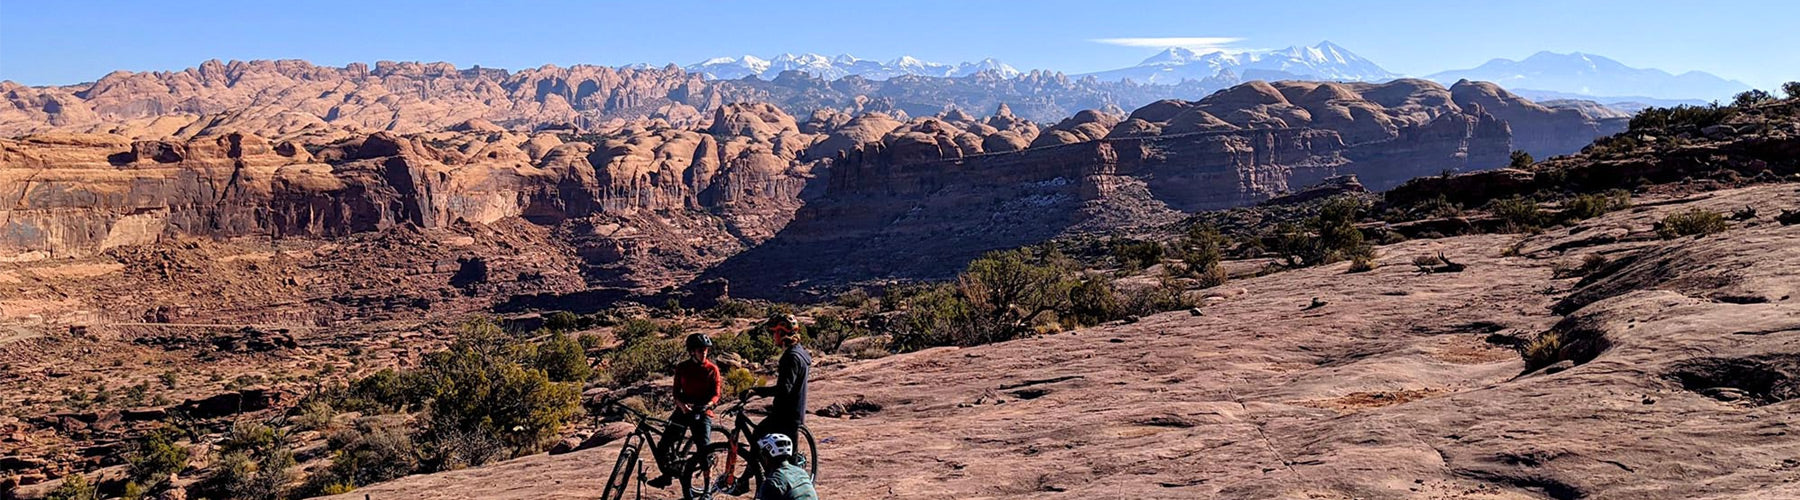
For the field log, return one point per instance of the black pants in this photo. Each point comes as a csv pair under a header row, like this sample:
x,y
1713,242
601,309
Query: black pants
x,y
698,423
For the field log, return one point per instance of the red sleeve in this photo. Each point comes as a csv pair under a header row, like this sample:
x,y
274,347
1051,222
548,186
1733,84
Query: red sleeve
x,y
718,382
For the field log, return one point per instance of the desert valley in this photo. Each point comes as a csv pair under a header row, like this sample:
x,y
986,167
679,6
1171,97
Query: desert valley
x,y
1278,274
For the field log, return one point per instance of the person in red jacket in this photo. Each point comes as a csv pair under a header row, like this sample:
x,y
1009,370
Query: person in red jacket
x,y
697,386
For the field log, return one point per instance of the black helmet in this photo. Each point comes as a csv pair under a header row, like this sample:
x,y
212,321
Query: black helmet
x,y
698,341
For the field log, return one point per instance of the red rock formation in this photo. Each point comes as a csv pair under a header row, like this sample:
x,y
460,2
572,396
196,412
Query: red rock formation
x,y
649,203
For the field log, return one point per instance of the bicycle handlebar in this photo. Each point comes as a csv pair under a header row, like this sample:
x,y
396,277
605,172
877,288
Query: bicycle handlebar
x,y
640,415
737,406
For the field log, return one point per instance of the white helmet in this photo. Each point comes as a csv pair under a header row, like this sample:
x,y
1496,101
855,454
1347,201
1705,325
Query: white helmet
x,y
777,445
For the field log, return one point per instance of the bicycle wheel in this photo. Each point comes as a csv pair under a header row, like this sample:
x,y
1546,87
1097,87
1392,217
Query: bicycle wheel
x,y
810,452
716,470
621,473
696,468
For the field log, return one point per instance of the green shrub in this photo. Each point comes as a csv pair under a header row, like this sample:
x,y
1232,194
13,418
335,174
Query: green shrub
x,y
590,342
231,476
1425,262
938,316
1167,295
249,436
254,463
1134,255
1328,237
385,391
635,330
1011,287
314,415
745,345
563,359
1792,89
1362,264
157,457
732,308
1093,301
1612,146
1435,208
134,395
562,321
372,452
829,332
74,487
1520,160
480,392
739,381
1588,206
1216,276
1202,249
1691,222
1519,213
1542,351
1751,97
644,359
1339,239
854,298
1682,116
1590,264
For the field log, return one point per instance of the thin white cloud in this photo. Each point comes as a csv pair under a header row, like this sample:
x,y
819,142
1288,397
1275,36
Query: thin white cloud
x,y
1196,43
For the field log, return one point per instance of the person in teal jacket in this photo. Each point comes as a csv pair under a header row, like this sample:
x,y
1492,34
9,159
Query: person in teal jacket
x,y
785,479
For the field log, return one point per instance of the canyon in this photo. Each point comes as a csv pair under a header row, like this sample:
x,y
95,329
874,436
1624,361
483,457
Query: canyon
x,y
254,253
654,204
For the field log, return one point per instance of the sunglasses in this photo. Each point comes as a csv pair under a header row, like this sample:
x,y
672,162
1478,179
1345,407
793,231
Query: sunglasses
x,y
783,329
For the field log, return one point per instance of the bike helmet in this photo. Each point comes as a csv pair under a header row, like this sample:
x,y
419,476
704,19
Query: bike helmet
x,y
776,445
783,321
698,341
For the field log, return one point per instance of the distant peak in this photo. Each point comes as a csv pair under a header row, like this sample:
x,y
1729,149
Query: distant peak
x,y
1172,55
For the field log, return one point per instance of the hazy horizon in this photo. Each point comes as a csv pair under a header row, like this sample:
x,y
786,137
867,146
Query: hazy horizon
x,y
73,42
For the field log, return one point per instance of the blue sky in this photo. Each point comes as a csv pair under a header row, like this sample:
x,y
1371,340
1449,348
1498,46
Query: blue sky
x,y
68,41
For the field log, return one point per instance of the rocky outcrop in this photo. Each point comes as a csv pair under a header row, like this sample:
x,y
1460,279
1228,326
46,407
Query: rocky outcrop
x,y
290,99
650,203
730,185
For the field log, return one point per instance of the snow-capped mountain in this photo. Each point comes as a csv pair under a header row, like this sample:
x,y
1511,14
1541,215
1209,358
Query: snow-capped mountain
x,y
1593,75
732,68
1325,61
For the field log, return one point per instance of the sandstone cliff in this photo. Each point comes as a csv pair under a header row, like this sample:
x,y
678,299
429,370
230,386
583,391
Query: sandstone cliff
x,y
831,198
289,98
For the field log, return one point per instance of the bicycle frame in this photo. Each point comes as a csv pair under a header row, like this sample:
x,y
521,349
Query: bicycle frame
x,y
649,431
743,429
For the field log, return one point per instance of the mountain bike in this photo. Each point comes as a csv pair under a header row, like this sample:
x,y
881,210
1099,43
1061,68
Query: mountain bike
x,y
731,455
694,469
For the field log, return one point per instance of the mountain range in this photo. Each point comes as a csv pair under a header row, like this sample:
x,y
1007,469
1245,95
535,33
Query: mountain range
x,y
832,68
1325,62
1592,75
1545,74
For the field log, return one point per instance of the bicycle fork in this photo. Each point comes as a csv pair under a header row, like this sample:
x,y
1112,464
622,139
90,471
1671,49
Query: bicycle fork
x,y
630,463
731,464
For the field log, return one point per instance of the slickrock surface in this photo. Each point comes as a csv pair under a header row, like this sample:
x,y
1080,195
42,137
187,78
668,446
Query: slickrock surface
x,y
1404,385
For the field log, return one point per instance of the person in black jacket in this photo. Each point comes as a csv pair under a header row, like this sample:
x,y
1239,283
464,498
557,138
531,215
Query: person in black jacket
x,y
788,410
